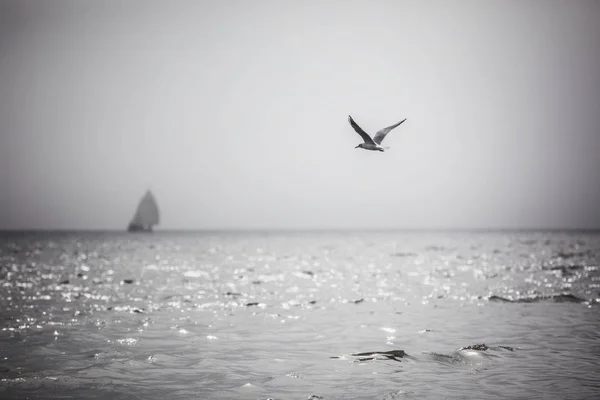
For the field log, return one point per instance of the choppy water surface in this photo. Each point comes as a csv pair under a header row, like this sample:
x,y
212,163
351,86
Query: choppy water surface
x,y
359,315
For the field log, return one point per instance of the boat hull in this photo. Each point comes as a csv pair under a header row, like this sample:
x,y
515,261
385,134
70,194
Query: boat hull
x,y
139,228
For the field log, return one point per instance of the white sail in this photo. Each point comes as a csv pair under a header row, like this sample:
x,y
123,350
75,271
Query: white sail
x,y
146,214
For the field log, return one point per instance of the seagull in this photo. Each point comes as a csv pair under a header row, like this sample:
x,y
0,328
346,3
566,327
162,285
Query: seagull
x,y
374,143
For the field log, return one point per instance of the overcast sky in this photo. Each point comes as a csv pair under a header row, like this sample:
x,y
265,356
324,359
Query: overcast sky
x,y
234,113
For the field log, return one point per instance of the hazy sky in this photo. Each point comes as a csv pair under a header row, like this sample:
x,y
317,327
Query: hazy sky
x,y
234,113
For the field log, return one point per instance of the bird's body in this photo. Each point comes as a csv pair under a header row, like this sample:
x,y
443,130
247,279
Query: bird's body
x,y
371,146
374,143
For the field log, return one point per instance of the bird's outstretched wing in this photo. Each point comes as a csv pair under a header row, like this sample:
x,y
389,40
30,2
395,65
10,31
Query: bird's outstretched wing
x,y
360,131
379,136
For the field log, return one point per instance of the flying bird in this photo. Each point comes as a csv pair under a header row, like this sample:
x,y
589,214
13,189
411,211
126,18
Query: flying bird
x,y
375,142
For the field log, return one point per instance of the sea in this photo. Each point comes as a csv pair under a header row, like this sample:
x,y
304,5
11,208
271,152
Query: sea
x,y
300,315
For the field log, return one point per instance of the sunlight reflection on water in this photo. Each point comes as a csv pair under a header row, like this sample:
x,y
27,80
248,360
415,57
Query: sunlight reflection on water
x,y
280,315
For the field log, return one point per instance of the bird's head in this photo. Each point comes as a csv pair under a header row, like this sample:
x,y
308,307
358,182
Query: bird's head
x,y
359,146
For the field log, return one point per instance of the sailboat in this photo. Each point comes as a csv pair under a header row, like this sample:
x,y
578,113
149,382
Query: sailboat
x,y
145,216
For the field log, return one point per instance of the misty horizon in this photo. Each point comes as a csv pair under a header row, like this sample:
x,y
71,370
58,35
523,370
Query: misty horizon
x,y
234,114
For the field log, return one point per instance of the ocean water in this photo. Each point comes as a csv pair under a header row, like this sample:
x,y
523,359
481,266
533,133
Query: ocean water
x,y
306,315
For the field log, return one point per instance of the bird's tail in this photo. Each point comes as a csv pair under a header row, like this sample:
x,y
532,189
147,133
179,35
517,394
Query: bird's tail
x,y
386,147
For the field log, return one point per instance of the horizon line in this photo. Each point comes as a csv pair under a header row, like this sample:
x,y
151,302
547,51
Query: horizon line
x,y
291,230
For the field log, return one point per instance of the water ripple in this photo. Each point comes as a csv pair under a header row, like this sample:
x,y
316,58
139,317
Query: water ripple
x,y
288,315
